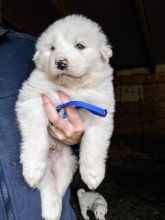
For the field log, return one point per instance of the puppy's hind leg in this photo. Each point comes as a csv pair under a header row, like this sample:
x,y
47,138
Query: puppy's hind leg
x,y
51,201
64,166
58,176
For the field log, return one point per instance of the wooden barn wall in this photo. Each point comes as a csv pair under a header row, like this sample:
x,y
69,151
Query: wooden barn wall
x,y
141,102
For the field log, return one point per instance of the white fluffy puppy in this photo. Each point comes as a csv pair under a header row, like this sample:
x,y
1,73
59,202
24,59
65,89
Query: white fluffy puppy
x,y
72,55
92,201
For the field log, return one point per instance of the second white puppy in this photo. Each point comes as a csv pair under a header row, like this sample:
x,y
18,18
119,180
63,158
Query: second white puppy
x,y
92,201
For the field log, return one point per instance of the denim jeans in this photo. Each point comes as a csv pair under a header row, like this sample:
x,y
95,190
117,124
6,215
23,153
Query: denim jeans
x,y
17,200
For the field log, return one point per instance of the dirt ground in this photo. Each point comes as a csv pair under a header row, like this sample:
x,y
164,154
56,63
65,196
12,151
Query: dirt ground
x,y
133,192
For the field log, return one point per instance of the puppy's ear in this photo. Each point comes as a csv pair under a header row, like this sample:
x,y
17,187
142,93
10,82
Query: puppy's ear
x,y
36,56
106,52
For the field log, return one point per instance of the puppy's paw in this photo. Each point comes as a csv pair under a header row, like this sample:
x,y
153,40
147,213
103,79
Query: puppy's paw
x,y
51,209
33,174
92,175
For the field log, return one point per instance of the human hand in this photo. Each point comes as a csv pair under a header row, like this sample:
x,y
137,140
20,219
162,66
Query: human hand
x,y
67,131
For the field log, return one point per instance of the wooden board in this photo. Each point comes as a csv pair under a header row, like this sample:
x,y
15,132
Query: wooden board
x,y
142,114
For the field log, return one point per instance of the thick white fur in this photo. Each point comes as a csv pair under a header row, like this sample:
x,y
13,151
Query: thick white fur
x,y
92,201
88,77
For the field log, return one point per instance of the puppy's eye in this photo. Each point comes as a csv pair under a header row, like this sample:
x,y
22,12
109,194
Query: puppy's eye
x,y
80,46
52,48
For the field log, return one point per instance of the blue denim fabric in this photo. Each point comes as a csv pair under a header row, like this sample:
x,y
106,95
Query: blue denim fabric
x,y
17,200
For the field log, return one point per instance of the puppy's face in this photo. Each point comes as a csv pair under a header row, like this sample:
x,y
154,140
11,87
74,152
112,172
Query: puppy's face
x,y
100,212
71,47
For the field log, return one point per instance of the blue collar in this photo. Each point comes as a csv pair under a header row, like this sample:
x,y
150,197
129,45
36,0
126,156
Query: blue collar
x,y
89,107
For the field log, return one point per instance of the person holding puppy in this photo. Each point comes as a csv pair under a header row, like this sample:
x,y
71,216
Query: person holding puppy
x,y
17,199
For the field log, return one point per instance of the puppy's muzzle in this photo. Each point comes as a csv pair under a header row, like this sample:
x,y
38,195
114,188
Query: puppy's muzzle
x,y
62,64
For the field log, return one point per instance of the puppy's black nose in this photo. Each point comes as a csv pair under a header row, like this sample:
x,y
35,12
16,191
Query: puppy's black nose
x,y
62,64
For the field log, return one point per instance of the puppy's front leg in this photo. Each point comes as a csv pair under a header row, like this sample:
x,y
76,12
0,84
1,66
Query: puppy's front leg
x,y
94,147
84,213
34,146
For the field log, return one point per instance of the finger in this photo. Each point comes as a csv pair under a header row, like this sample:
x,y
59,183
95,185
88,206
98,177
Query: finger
x,y
55,133
74,117
72,113
69,137
60,136
63,96
53,115
50,109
